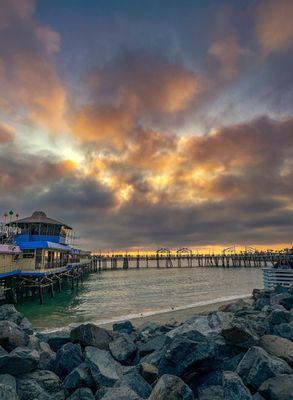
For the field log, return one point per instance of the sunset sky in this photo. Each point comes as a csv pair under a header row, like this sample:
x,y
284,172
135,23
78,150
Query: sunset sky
x,y
150,123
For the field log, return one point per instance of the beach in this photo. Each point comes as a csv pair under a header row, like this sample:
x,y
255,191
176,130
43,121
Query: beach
x,y
177,315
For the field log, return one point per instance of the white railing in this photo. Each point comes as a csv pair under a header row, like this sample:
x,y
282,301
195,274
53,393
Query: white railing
x,y
277,276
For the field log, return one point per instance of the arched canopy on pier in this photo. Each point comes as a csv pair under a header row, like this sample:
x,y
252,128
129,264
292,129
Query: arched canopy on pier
x,y
163,251
184,251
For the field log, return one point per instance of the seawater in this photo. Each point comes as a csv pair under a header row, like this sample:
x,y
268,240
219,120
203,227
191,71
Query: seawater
x,y
117,294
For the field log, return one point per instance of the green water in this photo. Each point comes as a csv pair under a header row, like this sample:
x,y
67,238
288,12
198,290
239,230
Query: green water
x,y
112,295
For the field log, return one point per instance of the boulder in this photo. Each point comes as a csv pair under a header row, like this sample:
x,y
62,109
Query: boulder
x,y
192,350
212,392
199,323
104,369
120,393
277,346
277,298
240,334
8,380
278,388
19,361
11,336
123,349
79,377
47,355
40,385
280,317
284,330
100,393
7,393
67,358
287,302
149,372
56,339
123,327
9,313
236,306
234,388
261,303
82,394
91,335
136,383
171,387
152,329
231,363
157,343
260,293
257,366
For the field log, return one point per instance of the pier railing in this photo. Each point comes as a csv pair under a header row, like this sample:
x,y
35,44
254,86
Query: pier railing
x,y
277,276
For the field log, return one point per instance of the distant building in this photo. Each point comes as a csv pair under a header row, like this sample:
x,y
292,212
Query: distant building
x,y
44,242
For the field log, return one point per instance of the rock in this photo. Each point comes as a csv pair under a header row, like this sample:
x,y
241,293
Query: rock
x,y
277,346
192,350
257,366
136,383
280,317
149,372
79,377
213,392
91,335
47,355
67,358
230,364
19,361
8,380
233,307
284,330
276,298
82,394
40,385
104,369
234,388
9,313
287,302
260,293
154,344
152,329
100,393
55,339
240,334
11,336
171,387
123,349
199,323
120,393
123,327
278,388
7,393
261,303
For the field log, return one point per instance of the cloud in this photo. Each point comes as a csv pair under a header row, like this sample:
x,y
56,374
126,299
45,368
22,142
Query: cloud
x,y
133,90
274,30
6,134
31,91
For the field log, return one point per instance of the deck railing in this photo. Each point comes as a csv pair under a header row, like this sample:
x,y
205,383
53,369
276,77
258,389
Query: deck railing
x,y
277,276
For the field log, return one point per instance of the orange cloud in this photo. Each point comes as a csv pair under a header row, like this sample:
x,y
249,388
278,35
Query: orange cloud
x,y
274,27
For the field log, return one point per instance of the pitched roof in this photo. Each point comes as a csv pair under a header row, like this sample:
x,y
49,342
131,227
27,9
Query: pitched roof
x,y
39,217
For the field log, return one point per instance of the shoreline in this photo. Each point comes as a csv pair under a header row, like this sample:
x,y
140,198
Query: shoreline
x,y
178,314
163,316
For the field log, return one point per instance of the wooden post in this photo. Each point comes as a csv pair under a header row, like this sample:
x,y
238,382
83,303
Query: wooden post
x,y
41,295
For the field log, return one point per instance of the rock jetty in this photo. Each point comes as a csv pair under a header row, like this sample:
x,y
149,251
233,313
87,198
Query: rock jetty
x,y
243,351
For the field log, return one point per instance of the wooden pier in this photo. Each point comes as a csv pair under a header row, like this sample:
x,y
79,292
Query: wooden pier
x,y
185,258
18,284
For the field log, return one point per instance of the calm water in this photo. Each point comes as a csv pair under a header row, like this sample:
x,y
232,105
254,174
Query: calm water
x,y
112,295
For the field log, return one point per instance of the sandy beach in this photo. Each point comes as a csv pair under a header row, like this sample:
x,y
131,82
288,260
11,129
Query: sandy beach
x,y
178,315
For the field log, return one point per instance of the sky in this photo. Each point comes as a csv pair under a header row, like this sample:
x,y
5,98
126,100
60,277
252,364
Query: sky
x,y
150,123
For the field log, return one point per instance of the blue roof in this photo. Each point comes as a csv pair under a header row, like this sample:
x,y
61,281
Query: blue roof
x,y
44,245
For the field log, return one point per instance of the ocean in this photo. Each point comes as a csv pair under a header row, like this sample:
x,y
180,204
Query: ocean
x,y
118,294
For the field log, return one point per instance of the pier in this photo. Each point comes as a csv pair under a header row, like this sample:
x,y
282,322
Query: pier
x,y
18,284
186,258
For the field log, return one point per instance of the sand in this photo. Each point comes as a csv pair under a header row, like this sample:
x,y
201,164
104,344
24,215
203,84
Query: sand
x,y
179,315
